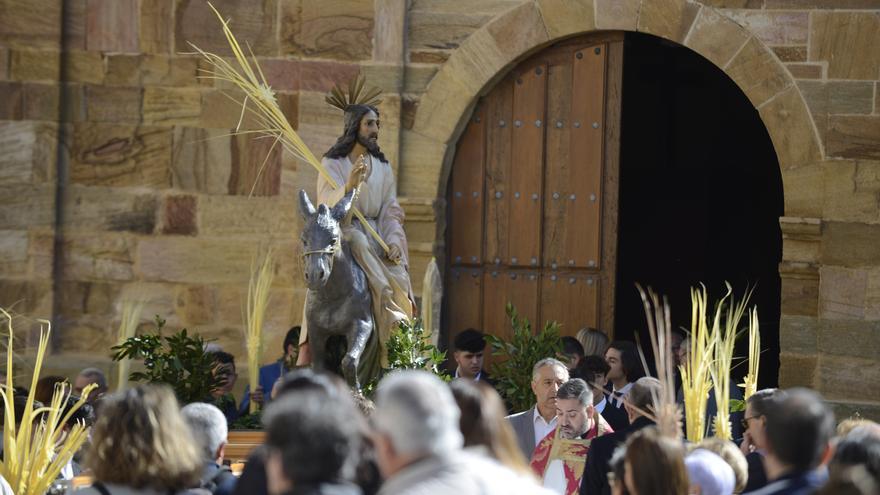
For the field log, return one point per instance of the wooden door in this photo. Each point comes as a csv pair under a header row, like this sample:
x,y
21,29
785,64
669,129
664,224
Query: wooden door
x,y
532,196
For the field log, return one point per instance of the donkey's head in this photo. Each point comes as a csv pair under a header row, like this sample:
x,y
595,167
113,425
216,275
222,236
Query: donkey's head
x,y
321,237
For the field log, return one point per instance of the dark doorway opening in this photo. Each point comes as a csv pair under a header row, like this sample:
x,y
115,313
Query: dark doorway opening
x,y
700,193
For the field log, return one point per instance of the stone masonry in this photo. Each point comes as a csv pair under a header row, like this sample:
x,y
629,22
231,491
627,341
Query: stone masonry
x,y
121,178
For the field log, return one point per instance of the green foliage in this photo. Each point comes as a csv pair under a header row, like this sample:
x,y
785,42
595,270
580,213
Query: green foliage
x,y
737,405
409,348
513,368
178,360
252,421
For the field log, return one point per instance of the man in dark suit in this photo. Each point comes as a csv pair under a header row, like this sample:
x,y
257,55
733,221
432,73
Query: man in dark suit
x,y
594,371
640,397
468,352
533,425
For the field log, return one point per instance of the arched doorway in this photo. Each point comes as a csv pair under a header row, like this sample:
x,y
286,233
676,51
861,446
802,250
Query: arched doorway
x,y
700,191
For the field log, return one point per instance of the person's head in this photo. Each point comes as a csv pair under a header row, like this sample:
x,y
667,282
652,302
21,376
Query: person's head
x,y
733,456
849,424
311,439
572,352
482,423
853,480
45,388
548,375
799,428
87,377
861,446
416,417
574,408
617,473
594,371
469,346
303,379
623,359
291,342
362,127
755,417
676,338
208,428
642,397
654,464
593,341
141,440
224,369
708,474
684,349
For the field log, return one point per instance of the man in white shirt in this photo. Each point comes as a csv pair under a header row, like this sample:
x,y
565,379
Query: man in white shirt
x,y
533,425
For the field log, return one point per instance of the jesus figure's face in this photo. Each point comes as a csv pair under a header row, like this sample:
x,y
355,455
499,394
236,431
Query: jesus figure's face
x,y
368,133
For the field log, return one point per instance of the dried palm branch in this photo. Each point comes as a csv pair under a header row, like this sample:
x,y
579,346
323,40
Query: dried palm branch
x,y
725,339
357,94
432,294
257,301
36,447
131,316
696,381
259,100
667,414
750,382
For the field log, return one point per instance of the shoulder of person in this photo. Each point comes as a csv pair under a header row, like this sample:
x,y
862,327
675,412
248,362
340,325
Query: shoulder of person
x,y
520,415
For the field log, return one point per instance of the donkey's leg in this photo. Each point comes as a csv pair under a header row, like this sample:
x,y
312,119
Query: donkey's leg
x,y
357,342
318,347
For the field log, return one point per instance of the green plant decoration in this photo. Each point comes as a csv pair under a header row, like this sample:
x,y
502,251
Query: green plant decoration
x,y
409,348
178,360
512,369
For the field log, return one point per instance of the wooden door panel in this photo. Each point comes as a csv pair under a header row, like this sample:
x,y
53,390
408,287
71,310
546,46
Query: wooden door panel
x,y
502,286
527,170
499,110
583,221
465,286
571,299
466,201
558,164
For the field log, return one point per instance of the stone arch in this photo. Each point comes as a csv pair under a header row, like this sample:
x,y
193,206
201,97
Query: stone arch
x,y
487,54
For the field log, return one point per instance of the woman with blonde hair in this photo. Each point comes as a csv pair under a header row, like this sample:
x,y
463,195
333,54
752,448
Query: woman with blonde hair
x,y
141,445
595,342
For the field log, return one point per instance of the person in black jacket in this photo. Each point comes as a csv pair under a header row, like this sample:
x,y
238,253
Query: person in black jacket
x,y
640,396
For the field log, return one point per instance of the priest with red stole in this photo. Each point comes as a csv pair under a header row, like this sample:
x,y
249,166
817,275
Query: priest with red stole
x,y
559,459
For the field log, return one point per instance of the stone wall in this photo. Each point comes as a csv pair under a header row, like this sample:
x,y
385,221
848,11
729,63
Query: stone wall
x,y
153,197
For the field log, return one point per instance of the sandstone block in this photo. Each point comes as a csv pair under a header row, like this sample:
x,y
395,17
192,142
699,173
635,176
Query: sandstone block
x,y
386,76
853,137
256,167
617,14
805,71
757,72
834,97
798,334
155,27
4,64
110,209
477,62
443,107
716,37
565,17
34,65
196,305
26,206
282,73
11,105
179,213
800,294
27,152
842,293
87,333
75,20
41,253
853,338
98,257
13,253
112,26
172,106
822,4
201,160
518,31
84,67
27,297
418,76
850,244
428,56
330,29
851,408
34,24
848,42
797,370
420,164
108,104
79,298
315,112
848,377
846,199
196,23
669,19
41,101
442,30
283,308
791,128
775,28
195,260
802,186
872,295
791,53
389,31
322,76
119,155
734,4
224,215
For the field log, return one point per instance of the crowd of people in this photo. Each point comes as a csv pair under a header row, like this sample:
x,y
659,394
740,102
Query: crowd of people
x,y
591,430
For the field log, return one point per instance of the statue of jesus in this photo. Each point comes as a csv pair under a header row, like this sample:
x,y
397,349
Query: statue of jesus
x,y
357,162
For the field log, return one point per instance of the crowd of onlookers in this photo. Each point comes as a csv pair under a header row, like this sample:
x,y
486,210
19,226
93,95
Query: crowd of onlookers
x,y
592,430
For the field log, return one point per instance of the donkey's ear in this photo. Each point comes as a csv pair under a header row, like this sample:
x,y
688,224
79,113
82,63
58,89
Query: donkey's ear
x,y
342,208
306,209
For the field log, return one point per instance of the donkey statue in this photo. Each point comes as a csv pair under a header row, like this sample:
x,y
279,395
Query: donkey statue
x,y
338,301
